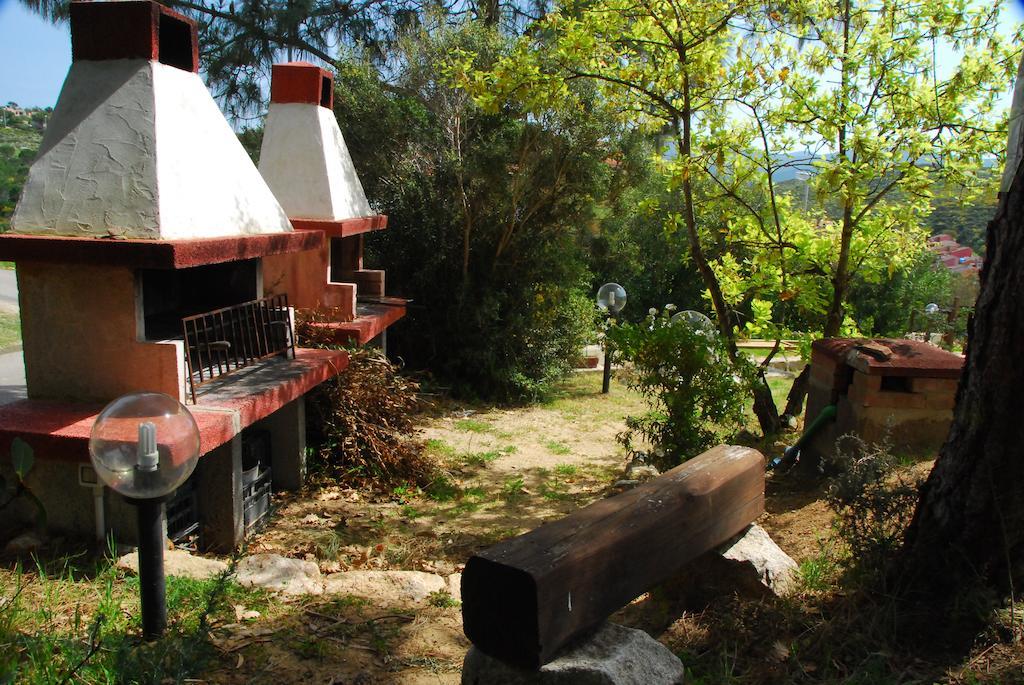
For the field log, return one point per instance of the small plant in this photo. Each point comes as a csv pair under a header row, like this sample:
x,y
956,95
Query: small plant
x,y
442,599
697,392
872,500
481,458
513,489
556,447
566,470
405,492
473,426
22,460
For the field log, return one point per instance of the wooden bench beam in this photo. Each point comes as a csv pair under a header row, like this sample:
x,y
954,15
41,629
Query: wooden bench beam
x,y
526,597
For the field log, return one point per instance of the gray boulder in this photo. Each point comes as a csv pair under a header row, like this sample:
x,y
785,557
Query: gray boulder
x,y
178,562
280,574
613,655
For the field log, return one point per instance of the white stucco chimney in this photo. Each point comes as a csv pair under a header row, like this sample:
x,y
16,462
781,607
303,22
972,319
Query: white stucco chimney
x,y
304,158
136,146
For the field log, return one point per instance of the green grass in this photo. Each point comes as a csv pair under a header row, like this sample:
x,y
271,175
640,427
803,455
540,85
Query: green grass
x,y
513,489
10,330
566,469
440,449
473,426
481,458
82,624
556,447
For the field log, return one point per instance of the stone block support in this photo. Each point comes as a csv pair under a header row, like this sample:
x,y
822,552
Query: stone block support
x,y
220,496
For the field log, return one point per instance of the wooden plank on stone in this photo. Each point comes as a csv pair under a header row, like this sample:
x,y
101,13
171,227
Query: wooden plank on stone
x,y
526,597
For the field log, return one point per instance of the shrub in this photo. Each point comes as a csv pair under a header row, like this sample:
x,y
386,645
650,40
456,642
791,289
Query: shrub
x,y
697,394
487,213
873,502
364,431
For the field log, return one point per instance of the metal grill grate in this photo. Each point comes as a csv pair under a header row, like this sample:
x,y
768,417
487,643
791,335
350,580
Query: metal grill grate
x,y
231,338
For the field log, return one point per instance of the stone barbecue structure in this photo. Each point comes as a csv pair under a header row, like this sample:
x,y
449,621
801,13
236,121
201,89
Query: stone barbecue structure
x,y
306,163
142,244
900,390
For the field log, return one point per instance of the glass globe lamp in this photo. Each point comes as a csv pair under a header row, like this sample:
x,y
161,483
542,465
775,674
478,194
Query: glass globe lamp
x,y
611,297
144,445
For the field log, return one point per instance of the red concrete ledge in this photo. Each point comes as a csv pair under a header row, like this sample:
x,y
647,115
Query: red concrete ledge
x,y
371,321
59,431
344,228
910,358
152,254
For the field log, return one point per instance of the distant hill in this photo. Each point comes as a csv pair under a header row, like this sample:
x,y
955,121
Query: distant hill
x,y
21,131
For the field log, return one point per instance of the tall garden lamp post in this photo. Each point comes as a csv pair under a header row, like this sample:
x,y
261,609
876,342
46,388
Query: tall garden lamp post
x,y
143,446
611,298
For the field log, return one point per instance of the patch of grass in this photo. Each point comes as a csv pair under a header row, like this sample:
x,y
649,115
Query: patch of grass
x,y
442,489
442,599
411,512
514,489
554,491
556,447
440,449
10,329
473,426
82,624
481,458
566,470
509,449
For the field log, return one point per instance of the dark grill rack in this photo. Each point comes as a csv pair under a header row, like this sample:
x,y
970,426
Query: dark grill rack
x,y
225,340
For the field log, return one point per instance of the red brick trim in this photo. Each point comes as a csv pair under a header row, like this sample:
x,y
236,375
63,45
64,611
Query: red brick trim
x,y
343,228
302,82
59,431
153,254
133,30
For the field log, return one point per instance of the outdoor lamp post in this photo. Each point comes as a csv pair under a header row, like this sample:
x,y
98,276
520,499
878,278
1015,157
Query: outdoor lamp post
x,y
143,446
930,310
694,320
611,298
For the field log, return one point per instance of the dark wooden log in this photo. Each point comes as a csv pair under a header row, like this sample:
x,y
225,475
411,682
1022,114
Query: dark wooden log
x,y
526,597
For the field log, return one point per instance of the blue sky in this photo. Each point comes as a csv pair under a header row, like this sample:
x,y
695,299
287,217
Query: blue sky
x,y
36,55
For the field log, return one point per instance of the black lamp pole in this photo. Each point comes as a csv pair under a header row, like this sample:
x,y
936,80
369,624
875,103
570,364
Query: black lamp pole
x,y
606,382
152,584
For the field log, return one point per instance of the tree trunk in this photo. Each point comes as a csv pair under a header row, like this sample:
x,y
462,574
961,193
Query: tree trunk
x,y
764,406
797,393
969,524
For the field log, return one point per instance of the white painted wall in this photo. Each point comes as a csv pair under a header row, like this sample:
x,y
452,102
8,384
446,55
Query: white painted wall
x,y
208,185
138,149
306,163
96,170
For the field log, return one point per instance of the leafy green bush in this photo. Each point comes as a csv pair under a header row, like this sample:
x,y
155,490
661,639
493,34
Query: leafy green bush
x,y
697,393
487,217
873,503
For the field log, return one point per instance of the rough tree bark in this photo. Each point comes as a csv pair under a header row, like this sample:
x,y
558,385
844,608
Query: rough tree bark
x,y
969,523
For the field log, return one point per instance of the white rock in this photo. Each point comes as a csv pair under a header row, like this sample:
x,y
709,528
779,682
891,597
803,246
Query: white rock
x,y
385,587
280,574
756,550
178,562
454,582
614,655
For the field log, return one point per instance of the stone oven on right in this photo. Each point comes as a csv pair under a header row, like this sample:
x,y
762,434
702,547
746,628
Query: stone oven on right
x,y
897,391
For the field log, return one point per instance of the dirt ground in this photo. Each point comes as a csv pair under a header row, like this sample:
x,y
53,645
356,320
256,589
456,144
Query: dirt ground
x,y
509,470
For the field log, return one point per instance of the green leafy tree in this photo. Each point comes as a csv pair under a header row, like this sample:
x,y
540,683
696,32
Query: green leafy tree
x,y
486,217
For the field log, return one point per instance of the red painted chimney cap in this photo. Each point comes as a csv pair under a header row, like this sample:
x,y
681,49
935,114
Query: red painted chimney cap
x,y
133,29
303,83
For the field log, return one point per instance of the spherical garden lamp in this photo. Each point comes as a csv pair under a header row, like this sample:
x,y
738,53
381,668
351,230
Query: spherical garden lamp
x,y
611,298
143,446
694,320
